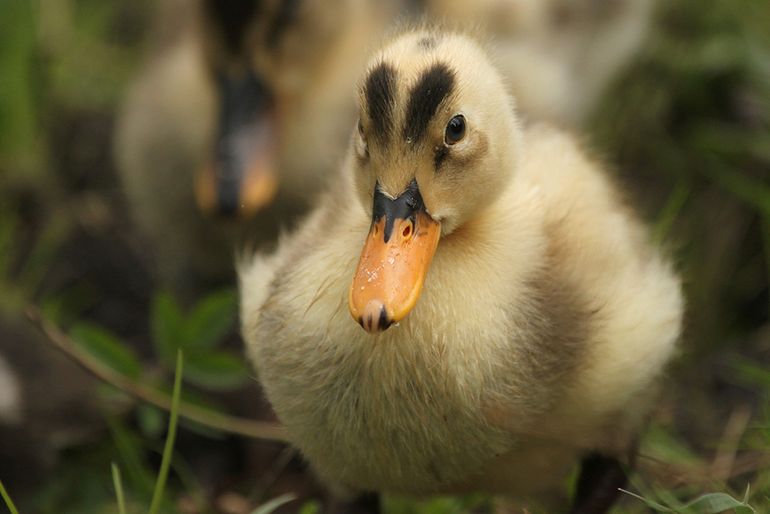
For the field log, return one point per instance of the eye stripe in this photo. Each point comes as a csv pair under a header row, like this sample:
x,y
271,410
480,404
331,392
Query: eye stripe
x,y
439,155
380,93
424,99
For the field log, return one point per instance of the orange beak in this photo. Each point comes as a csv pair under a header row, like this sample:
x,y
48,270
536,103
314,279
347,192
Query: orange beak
x,y
240,177
231,187
395,260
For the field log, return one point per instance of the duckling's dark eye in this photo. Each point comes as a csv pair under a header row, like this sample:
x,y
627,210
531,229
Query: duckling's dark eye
x,y
455,130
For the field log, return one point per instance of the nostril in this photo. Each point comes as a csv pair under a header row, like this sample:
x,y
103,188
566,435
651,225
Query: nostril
x,y
407,231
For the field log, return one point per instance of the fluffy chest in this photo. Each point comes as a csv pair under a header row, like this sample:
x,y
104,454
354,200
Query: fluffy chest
x,y
392,414
407,410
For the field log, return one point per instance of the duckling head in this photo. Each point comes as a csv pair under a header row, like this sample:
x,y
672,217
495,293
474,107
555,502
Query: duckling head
x,y
436,143
261,57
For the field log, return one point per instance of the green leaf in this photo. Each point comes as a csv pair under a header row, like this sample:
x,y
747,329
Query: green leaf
x,y
211,320
716,503
310,507
129,448
151,420
217,370
750,372
660,442
712,503
106,348
270,505
167,326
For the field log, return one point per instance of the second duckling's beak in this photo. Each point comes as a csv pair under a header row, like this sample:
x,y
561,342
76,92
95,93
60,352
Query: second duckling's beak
x,y
239,178
395,259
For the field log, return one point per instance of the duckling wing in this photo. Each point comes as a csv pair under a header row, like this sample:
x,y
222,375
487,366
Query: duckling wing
x,y
599,249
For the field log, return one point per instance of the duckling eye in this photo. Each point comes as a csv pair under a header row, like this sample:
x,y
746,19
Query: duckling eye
x,y
455,130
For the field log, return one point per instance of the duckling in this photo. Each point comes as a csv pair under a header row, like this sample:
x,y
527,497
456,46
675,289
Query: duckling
x,y
509,315
558,56
238,114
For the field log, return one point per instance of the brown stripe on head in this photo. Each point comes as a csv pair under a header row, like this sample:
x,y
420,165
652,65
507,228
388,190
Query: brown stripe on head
x,y
380,94
231,20
433,86
283,18
427,42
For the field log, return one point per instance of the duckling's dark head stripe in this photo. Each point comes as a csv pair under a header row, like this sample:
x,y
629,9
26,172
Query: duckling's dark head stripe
x,y
380,93
427,42
232,18
284,17
427,94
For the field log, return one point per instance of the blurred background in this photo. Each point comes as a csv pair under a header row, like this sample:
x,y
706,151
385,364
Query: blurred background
x,y
124,191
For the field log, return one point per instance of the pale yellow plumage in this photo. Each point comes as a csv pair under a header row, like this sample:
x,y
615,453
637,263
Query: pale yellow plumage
x,y
545,320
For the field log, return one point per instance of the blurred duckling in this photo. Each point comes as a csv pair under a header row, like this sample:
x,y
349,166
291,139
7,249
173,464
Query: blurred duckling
x,y
231,128
559,56
509,316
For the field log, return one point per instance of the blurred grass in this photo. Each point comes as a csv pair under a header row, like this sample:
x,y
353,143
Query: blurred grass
x,y
20,144
7,499
688,126
693,116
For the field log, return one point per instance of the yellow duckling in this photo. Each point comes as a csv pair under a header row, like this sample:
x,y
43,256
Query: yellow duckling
x,y
237,114
509,315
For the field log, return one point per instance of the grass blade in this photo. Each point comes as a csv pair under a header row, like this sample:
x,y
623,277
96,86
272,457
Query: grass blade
x,y
7,498
270,505
116,480
671,211
651,504
165,463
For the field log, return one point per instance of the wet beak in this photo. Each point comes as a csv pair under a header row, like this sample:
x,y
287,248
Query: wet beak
x,y
395,259
239,179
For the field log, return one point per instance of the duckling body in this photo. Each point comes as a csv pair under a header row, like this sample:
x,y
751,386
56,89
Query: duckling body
x,y
542,324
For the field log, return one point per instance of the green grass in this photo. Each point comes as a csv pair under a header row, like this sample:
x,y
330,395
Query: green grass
x,y
118,481
7,499
160,485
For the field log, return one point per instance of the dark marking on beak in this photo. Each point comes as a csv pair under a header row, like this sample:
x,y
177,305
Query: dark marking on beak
x,y
405,206
384,321
245,106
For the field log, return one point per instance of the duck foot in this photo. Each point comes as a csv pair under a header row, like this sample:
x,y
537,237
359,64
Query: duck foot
x,y
598,486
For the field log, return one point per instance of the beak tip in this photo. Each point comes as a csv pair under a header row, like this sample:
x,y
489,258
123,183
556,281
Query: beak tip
x,y
375,317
